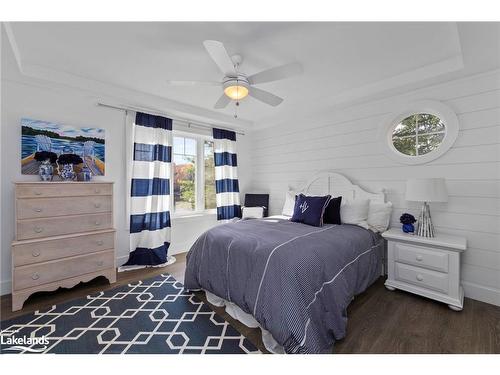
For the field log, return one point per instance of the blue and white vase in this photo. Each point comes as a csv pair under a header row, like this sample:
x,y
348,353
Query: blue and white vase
x,y
67,172
85,174
45,170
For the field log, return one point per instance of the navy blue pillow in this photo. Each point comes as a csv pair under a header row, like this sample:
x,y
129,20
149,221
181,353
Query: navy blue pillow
x,y
310,210
332,212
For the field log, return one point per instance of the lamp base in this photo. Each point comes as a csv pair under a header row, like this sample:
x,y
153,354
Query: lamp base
x,y
424,224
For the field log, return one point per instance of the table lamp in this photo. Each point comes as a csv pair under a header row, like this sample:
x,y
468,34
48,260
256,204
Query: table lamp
x,y
426,190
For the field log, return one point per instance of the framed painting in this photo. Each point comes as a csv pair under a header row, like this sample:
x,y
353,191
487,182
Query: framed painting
x,y
86,142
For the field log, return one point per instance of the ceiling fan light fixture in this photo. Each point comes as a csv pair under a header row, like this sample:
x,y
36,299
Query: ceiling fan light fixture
x,y
235,88
236,92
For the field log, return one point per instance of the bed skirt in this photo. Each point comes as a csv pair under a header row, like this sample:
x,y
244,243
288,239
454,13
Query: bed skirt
x,y
247,319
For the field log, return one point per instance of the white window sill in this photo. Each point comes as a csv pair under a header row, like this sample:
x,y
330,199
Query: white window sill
x,y
194,215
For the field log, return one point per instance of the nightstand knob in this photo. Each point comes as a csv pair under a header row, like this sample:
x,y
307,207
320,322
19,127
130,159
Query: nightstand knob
x,y
38,230
420,277
419,258
100,242
100,263
38,210
97,223
35,276
35,253
97,205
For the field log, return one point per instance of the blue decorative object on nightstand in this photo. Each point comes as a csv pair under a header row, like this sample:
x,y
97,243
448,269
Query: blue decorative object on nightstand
x,y
407,220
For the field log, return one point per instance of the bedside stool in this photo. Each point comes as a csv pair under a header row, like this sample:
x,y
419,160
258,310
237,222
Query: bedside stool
x,y
429,267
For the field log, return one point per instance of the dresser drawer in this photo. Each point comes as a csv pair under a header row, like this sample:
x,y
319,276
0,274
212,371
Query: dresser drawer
x,y
421,277
39,228
45,250
43,273
47,207
70,189
421,257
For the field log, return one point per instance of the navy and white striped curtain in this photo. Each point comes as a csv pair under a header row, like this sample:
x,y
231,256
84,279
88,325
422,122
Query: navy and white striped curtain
x,y
150,191
226,176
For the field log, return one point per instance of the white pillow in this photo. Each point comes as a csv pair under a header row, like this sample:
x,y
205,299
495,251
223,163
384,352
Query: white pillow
x,y
355,212
379,216
252,212
289,203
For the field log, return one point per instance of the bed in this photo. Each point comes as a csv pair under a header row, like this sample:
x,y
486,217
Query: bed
x,y
292,280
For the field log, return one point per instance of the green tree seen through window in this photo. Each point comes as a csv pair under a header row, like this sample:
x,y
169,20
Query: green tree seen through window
x,y
418,134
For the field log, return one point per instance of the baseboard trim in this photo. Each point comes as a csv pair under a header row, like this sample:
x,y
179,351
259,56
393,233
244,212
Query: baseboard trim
x,y
481,293
5,287
473,291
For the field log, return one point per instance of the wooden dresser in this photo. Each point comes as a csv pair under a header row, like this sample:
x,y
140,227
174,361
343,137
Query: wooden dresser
x,y
64,235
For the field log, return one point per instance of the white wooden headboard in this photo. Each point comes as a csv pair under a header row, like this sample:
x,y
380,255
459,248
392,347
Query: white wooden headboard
x,y
336,184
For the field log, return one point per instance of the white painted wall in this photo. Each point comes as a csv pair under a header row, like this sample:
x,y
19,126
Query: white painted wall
x,y
28,97
345,140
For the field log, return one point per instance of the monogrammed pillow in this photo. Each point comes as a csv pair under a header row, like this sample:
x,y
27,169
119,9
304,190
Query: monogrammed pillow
x,y
310,210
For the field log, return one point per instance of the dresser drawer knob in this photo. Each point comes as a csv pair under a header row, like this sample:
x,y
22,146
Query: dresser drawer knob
x,y
97,191
35,276
38,230
38,210
38,192
100,242
420,258
97,223
420,277
35,253
100,263
97,205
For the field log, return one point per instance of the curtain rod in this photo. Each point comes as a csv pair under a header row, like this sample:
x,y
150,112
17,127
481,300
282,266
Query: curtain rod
x,y
160,113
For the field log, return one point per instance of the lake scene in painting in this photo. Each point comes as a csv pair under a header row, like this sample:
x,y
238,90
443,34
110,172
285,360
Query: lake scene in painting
x,y
86,142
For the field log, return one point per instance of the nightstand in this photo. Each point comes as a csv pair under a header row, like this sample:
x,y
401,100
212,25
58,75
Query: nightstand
x,y
429,267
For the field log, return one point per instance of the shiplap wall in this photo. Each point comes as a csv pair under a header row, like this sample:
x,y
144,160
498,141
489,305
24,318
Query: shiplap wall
x,y
345,140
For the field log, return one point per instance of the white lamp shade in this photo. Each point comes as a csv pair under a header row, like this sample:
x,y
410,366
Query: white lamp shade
x,y
426,190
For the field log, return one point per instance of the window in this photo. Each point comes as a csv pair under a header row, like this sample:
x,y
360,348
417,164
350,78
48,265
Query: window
x,y
208,153
422,132
418,134
184,153
194,174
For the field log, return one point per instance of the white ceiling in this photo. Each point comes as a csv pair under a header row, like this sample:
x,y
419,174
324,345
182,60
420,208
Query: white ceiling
x,y
342,61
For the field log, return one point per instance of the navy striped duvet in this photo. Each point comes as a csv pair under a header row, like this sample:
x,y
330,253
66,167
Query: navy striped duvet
x,y
296,280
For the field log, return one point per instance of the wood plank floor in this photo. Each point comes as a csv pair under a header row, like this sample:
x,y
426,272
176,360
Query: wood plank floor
x,y
380,321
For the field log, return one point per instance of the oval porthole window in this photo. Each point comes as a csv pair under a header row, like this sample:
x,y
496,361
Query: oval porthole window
x,y
418,134
421,133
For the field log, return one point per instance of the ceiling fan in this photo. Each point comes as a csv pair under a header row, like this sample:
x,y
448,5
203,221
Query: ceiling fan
x,y
237,85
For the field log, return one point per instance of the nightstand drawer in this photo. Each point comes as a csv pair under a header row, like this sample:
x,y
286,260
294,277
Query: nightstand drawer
x,y
421,277
421,257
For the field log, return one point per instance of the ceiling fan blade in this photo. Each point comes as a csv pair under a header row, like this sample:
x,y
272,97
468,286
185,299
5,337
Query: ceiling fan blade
x,y
265,96
222,102
218,53
277,73
192,83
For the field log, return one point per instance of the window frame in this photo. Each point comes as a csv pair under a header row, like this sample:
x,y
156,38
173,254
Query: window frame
x,y
446,115
199,176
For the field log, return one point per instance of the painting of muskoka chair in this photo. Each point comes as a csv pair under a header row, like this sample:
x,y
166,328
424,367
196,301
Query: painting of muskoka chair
x,y
88,143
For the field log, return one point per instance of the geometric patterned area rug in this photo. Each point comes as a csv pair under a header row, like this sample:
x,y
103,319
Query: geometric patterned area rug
x,y
154,316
